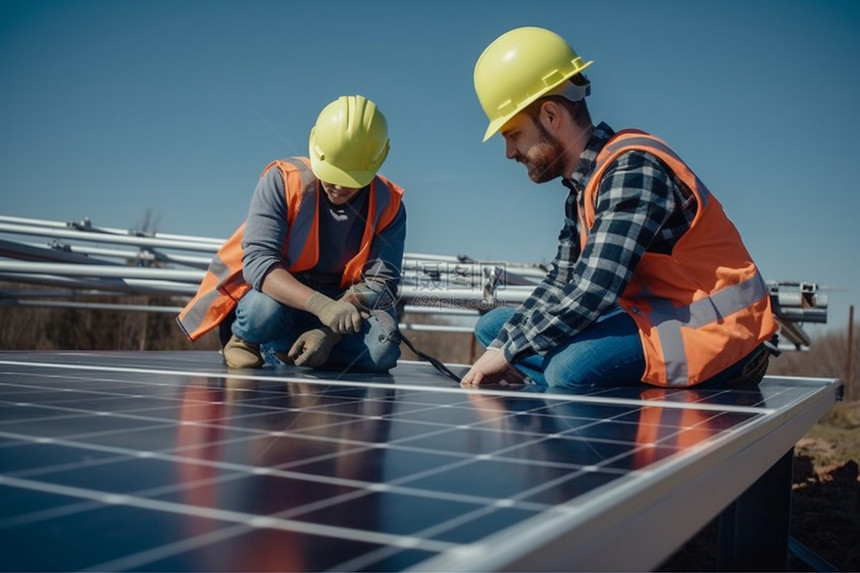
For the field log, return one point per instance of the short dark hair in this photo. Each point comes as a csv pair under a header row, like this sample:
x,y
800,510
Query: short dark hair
x,y
578,110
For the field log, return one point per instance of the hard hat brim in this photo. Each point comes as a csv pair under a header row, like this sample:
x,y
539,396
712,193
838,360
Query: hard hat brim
x,y
499,122
495,126
328,173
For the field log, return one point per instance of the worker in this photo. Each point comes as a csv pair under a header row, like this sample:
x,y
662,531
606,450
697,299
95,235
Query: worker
x,y
310,278
651,281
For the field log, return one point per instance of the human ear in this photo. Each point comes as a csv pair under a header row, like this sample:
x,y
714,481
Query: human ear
x,y
550,114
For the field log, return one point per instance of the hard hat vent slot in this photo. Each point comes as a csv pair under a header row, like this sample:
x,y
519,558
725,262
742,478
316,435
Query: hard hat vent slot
x,y
507,107
553,78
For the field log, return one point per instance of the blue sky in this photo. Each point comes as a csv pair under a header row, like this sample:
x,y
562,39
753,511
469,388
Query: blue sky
x,y
115,109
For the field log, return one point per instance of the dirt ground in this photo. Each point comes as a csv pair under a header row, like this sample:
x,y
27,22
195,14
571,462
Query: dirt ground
x,y
825,513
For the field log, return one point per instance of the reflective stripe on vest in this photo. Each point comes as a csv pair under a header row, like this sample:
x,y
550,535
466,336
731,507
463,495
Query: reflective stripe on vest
x,y
669,320
197,313
729,309
302,207
222,286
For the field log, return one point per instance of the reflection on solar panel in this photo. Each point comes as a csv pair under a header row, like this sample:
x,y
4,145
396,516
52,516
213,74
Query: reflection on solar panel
x,y
166,461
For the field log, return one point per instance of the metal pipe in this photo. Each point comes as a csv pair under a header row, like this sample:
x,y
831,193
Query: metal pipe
x,y
431,284
93,305
109,238
102,271
122,285
437,328
30,252
176,309
138,255
411,309
85,224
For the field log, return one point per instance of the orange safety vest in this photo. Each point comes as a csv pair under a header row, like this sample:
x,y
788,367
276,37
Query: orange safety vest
x,y
701,308
224,283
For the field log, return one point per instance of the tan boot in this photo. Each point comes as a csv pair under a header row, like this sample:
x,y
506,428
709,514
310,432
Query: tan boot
x,y
241,354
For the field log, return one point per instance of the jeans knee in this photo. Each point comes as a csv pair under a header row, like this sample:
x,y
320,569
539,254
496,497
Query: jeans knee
x,y
584,373
377,349
557,376
383,357
489,324
261,319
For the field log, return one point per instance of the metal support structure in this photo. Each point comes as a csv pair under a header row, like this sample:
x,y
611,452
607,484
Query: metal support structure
x,y
795,303
85,260
754,530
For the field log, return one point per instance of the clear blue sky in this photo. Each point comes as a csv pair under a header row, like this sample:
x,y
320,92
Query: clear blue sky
x,y
115,109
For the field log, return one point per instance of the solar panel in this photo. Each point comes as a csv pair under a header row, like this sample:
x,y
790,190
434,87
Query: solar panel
x,y
167,461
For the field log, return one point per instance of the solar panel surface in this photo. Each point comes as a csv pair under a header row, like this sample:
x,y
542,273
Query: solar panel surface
x,y
167,461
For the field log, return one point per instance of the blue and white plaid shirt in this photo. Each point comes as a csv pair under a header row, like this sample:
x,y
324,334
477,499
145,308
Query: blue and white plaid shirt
x,y
641,206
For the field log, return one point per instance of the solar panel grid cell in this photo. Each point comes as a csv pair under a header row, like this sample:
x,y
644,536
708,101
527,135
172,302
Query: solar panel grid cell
x,y
166,461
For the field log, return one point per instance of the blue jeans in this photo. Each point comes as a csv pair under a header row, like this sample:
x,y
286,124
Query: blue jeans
x,y
262,320
607,353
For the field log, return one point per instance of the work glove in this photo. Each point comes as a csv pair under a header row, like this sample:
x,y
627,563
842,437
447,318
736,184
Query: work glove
x,y
312,348
370,297
339,315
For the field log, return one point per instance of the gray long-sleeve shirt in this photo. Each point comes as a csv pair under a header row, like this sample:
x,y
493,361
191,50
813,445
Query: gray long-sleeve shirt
x,y
340,232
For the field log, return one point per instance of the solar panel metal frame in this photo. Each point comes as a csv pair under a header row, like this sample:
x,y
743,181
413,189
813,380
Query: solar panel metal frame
x,y
630,523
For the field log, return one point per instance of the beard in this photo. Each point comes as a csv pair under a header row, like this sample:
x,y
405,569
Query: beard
x,y
543,161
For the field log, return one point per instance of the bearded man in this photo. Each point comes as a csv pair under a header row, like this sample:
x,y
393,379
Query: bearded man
x,y
651,282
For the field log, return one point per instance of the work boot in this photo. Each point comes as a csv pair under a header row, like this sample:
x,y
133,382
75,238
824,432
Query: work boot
x,y
241,354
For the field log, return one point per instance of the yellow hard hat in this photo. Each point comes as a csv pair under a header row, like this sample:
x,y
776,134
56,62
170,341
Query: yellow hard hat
x,y
349,142
519,67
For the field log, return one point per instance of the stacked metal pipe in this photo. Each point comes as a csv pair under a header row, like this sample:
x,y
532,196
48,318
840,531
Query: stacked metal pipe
x,y
81,260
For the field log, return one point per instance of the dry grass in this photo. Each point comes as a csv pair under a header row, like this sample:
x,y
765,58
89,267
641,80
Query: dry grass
x,y
835,439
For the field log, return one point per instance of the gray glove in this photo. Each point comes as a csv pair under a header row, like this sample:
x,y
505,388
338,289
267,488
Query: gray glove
x,y
341,316
312,348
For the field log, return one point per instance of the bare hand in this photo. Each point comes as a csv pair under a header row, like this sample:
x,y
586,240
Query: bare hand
x,y
492,368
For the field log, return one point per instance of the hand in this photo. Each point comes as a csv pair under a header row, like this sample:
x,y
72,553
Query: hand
x,y
312,348
355,298
491,368
339,315
370,297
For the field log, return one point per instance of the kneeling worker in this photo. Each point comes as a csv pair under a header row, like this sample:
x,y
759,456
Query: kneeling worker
x,y
651,281
309,277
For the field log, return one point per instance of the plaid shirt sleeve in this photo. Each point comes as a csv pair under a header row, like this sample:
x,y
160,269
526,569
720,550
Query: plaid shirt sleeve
x,y
635,199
